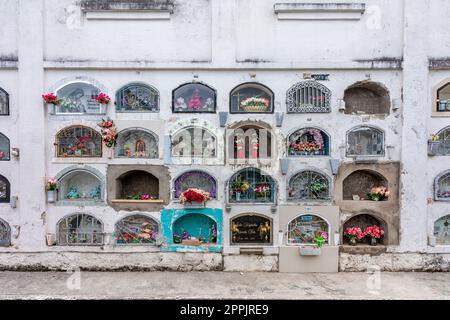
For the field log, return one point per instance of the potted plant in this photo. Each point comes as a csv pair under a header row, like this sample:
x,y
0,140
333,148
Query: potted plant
x,y
375,233
378,194
353,234
51,190
194,196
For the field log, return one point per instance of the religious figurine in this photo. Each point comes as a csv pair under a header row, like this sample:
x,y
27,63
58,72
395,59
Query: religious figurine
x,y
180,104
96,192
264,231
73,193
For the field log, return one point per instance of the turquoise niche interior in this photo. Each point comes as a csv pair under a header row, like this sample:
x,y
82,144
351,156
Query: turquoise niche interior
x,y
192,230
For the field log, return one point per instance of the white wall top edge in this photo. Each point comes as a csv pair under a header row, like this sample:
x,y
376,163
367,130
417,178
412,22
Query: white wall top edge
x,y
319,11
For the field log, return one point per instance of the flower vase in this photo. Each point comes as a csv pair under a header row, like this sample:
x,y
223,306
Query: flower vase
x,y
352,241
373,241
51,196
51,108
238,196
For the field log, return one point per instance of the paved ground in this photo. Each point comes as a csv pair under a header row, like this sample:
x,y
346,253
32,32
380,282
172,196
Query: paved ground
x,y
222,285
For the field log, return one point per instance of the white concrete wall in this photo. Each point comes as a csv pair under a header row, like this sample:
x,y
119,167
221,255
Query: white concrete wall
x,y
221,43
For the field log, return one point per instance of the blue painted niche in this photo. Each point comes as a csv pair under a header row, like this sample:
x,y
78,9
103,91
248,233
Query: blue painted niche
x,y
197,222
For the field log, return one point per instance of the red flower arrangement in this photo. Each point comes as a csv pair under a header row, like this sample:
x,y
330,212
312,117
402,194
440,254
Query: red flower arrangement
x,y
354,233
50,98
103,98
194,195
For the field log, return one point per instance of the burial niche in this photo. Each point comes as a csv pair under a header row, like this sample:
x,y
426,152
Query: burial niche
x,y
78,141
80,229
5,190
137,97
251,229
194,228
309,185
195,179
251,98
194,98
80,185
137,185
136,143
5,234
367,97
365,141
303,229
442,187
442,230
4,103
250,185
308,142
78,98
363,221
137,229
308,97
4,148
360,184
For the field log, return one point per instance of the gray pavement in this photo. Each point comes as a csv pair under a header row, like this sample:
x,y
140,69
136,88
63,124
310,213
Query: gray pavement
x,y
222,285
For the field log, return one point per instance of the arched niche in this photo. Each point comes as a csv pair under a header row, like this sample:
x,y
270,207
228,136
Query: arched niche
x,y
303,229
5,234
137,97
5,190
250,185
359,183
195,179
442,187
194,142
251,229
194,97
309,185
443,148
367,97
308,142
195,225
76,184
5,154
442,230
363,221
136,184
251,97
250,140
442,94
78,141
78,97
80,229
137,143
365,141
137,229
308,97
4,102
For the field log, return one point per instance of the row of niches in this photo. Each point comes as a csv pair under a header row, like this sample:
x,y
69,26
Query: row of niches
x,y
198,228
244,142
364,97
152,184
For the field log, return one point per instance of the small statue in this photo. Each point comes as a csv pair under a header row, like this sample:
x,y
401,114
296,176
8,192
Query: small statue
x,y
73,193
96,192
180,104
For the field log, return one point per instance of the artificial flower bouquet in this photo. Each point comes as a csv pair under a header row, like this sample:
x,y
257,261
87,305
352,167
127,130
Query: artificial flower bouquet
x,y
262,189
143,196
378,194
354,233
240,185
374,232
255,104
103,98
51,184
109,132
51,98
320,238
194,195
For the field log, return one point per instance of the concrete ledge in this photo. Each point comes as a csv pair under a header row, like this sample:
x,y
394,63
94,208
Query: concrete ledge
x,y
319,11
111,261
127,10
394,262
250,263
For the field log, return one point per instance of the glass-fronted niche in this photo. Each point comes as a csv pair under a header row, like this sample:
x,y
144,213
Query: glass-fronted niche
x,y
250,185
309,185
80,229
442,187
4,103
442,230
308,142
194,142
137,229
251,229
4,190
365,141
137,97
136,143
251,98
195,179
78,141
443,98
441,145
194,98
5,234
4,148
305,228
80,185
308,97
78,98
